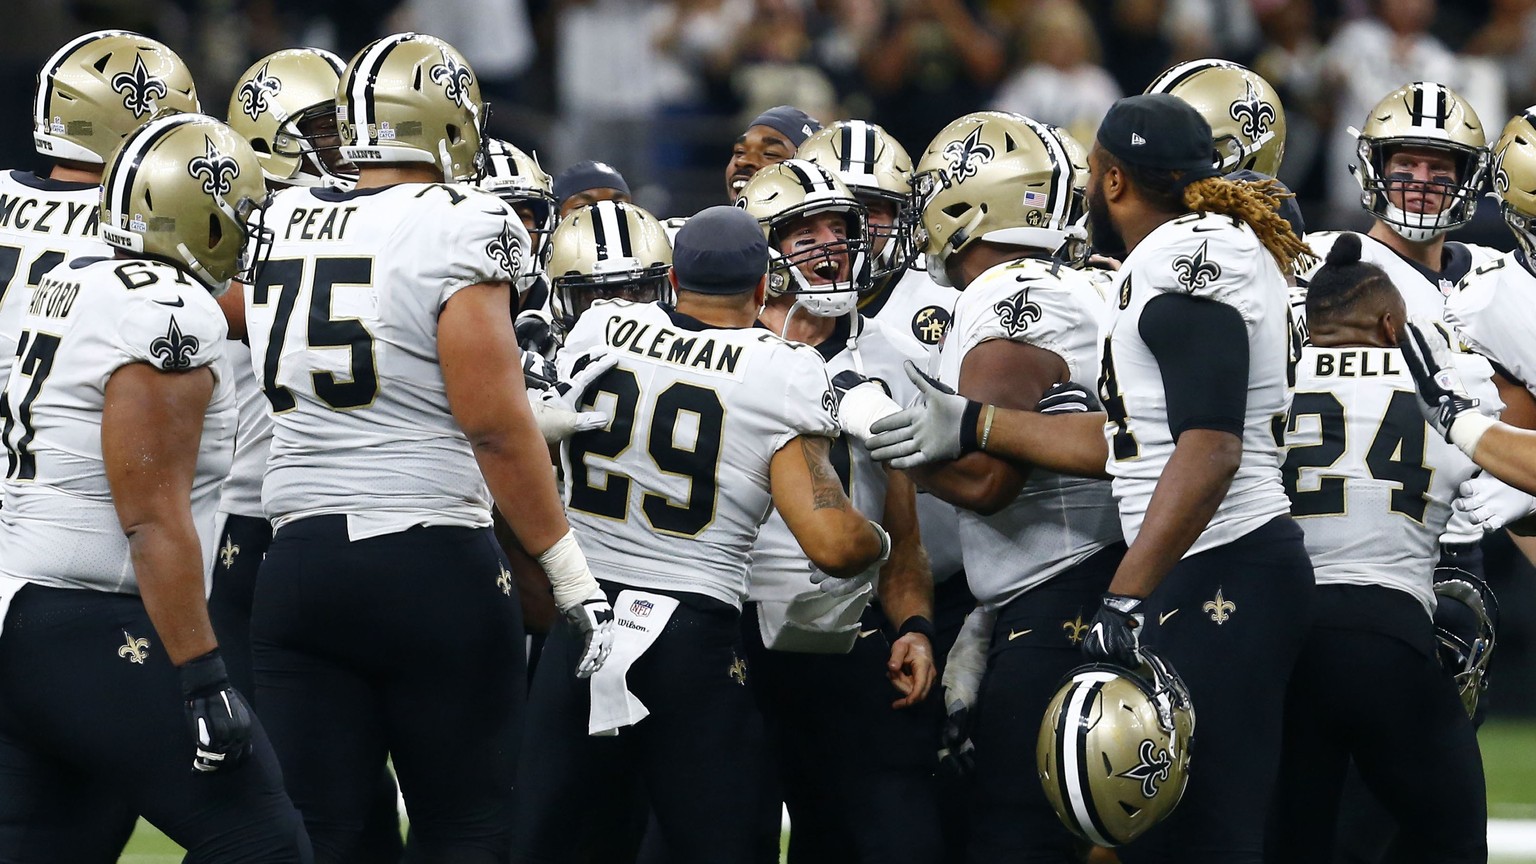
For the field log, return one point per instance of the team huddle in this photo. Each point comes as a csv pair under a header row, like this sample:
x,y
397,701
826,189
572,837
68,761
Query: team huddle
x,y
1021,502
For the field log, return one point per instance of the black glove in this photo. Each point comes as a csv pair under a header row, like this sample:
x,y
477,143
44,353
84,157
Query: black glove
x,y
957,755
1443,398
218,716
538,373
535,333
848,379
1067,398
1114,634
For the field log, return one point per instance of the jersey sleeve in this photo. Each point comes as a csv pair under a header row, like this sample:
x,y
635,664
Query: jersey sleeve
x,y
1483,326
809,405
171,338
485,240
1035,304
1476,375
1211,257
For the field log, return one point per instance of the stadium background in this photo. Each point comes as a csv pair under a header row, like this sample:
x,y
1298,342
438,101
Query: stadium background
x,y
660,89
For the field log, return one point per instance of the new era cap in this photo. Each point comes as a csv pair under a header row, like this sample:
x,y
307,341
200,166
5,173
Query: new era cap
x,y
722,250
1162,131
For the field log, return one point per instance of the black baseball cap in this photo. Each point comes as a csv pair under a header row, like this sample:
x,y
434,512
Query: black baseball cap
x,y
588,175
722,250
789,121
1289,210
1160,131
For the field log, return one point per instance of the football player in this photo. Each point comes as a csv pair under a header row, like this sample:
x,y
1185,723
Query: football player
x,y
588,183
605,251
118,426
1245,113
1192,451
384,620
772,136
1372,487
1040,547
714,422
864,790
516,178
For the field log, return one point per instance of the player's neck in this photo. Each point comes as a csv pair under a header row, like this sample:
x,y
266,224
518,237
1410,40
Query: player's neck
x,y
1136,221
391,175
803,326
967,265
716,314
1427,254
75,172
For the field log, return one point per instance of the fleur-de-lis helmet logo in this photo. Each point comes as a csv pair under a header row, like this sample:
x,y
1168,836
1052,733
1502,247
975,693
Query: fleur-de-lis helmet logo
x,y
139,88
175,349
506,251
1195,271
216,170
1500,176
1152,768
454,77
967,156
1016,313
255,95
1253,112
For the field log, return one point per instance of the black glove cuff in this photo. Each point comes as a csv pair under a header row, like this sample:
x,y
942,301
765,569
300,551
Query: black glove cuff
x,y
916,624
968,420
203,675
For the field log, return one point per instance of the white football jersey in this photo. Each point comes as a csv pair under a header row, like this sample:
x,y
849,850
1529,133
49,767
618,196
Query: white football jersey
x,y
342,323
779,569
1494,313
85,320
1056,521
1218,258
241,493
670,495
1370,483
42,223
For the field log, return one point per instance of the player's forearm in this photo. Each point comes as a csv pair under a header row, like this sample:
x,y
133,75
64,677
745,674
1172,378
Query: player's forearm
x,y
976,481
1193,485
1510,455
843,543
1065,443
906,581
167,562
515,464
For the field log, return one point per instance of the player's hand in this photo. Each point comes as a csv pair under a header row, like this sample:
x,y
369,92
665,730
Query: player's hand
x,y
1114,634
557,423
931,431
963,670
217,715
593,619
1067,398
842,586
535,333
860,402
911,669
1493,504
538,373
1443,399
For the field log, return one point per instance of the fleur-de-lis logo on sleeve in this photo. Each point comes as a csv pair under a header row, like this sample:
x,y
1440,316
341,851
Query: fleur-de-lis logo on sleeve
x,y
140,89
1016,313
175,349
1253,112
454,77
506,251
1196,271
216,170
967,156
255,94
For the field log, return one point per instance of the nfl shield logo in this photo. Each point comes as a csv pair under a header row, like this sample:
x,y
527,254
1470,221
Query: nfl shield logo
x,y
641,608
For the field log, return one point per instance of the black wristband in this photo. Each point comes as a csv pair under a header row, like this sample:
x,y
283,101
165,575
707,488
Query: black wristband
x,y
203,675
968,419
916,624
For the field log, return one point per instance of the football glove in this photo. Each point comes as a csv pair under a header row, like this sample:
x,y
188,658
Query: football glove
x,y
538,373
842,586
1114,634
580,599
535,333
593,620
555,409
940,427
217,715
860,402
1443,400
1067,398
1493,504
963,671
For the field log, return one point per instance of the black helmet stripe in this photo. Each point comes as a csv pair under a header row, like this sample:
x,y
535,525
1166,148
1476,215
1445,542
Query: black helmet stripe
x,y
44,100
810,181
119,181
367,69
626,246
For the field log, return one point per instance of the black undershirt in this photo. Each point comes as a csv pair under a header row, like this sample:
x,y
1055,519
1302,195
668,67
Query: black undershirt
x,y
1205,379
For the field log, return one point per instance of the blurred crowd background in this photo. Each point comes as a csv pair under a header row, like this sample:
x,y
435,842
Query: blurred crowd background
x,y
661,89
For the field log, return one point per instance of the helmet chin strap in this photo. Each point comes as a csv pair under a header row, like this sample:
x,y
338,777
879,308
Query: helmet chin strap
x,y
794,307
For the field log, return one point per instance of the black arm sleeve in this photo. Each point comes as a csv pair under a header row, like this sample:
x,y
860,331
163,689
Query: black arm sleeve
x,y
1201,348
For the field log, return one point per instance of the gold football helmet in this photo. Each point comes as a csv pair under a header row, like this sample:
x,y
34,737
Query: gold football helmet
x,y
285,106
1514,179
1430,116
875,167
1246,117
101,86
1113,751
784,192
1076,250
1465,611
517,178
603,250
411,98
187,190
993,176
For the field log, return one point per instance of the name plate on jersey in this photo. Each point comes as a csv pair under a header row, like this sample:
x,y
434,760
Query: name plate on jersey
x,y
696,352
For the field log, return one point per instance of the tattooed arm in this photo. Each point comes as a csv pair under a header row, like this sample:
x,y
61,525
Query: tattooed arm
x,y
836,537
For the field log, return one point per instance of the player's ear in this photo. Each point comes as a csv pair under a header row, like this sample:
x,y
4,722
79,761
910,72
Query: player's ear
x,y
1386,329
760,293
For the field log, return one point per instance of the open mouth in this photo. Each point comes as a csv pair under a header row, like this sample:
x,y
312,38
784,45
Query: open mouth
x,y
826,271
739,182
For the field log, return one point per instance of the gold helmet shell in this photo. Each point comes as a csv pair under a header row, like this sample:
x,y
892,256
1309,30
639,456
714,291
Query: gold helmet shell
x,y
1246,117
993,176
410,98
786,191
1077,249
602,250
1514,178
99,87
1113,751
271,101
187,190
874,166
1431,116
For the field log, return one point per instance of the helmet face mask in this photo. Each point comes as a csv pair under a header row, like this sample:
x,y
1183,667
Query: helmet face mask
x,y
790,200
610,249
1246,117
1423,123
285,106
877,170
1464,631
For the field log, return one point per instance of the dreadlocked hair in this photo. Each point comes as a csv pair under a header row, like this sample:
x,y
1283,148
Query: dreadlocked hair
x,y
1344,280
1254,203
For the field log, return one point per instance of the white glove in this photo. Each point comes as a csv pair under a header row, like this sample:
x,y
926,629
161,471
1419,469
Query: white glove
x,y
933,430
1493,504
963,670
861,401
1443,399
581,600
555,409
842,586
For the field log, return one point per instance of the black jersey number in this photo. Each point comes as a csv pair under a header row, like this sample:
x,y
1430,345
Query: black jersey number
x,y
1396,455
1124,441
10,263
698,460
34,359
280,284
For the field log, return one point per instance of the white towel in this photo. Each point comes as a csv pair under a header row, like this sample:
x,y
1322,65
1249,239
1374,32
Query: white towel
x,y
638,618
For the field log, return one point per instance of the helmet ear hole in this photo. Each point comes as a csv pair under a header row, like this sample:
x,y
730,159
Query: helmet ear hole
x,y
455,135
958,209
101,65
416,82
